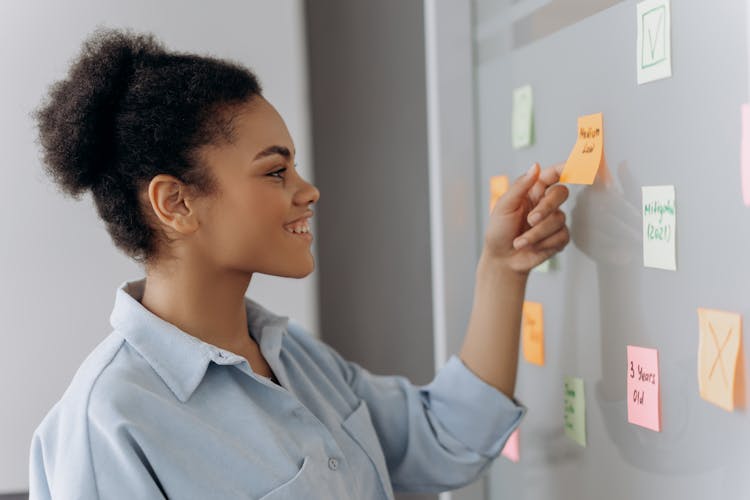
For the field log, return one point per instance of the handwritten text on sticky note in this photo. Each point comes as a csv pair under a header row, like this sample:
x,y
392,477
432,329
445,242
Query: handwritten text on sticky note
x,y
718,349
659,223
587,154
575,410
532,333
644,403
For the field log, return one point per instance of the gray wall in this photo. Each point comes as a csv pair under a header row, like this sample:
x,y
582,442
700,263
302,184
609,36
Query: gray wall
x,y
367,84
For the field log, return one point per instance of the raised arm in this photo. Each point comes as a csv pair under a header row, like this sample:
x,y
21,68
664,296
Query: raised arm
x,y
526,227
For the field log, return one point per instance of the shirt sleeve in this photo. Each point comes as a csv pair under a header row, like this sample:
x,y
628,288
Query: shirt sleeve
x,y
88,457
439,436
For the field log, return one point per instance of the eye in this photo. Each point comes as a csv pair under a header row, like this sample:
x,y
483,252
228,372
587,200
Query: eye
x,y
278,173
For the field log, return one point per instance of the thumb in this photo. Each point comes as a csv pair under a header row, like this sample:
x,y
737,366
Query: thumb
x,y
514,197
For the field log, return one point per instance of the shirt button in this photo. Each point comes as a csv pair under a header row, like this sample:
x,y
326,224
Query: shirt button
x,y
333,464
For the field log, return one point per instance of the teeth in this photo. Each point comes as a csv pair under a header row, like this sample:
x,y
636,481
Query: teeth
x,y
299,229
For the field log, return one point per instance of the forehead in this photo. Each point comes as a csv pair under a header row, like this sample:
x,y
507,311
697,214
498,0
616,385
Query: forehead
x,y
258,125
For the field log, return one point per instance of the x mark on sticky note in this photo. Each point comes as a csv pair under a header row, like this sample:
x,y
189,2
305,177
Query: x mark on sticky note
x,y
718,350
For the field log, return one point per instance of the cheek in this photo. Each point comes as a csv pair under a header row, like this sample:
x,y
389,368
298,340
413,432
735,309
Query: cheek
x,y
256,214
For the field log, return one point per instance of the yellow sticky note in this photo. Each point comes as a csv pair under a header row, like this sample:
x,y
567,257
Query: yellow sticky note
x,y
718,349
588,152
498,186
532,333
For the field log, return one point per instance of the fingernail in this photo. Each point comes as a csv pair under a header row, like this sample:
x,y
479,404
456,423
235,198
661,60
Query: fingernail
x,y
519,243
534,218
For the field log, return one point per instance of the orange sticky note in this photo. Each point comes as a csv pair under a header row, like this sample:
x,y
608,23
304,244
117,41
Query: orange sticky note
x,y
532,333
588,152
512,449
498,186
718,349
644,401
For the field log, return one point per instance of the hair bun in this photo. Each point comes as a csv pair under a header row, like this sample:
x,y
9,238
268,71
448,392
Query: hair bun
x,y
77,120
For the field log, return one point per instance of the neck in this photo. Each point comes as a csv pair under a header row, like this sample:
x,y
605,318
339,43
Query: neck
x,y
204,302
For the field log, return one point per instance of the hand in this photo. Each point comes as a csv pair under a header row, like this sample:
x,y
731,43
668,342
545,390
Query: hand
x,y
527,226
606,221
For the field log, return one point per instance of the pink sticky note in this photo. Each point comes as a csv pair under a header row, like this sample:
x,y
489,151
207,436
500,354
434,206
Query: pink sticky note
x,y
644,405
745,154
512,450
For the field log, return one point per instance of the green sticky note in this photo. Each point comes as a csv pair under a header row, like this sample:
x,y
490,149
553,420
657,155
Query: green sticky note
x,y
575,410
522,126
547,266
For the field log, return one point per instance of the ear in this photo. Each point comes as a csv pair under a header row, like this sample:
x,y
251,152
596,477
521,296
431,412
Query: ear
x,y
171,202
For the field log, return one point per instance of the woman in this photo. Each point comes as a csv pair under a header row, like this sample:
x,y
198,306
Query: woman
x,y
199,392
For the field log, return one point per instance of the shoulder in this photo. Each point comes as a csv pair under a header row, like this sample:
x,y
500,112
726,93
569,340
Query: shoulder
x,y
60,451
102,383
76,395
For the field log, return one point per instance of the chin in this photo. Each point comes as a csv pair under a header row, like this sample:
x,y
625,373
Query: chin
x,y
298,275
298,272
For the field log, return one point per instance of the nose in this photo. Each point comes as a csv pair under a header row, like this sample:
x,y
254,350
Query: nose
x,y
307,193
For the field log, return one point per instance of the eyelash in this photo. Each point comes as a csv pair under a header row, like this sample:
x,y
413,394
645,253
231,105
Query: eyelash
x,y
273,174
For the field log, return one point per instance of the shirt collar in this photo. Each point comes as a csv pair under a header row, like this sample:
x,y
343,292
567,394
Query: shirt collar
x,y
177,357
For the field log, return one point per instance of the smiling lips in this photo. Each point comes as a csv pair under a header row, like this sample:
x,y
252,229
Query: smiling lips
x,y
300,227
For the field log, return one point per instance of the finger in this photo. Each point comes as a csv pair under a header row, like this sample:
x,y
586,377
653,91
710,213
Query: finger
x,y
554,197
554,242
513,198
551,174
547,177
546,228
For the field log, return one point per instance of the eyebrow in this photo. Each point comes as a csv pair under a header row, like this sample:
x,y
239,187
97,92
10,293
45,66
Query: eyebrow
x,y
274,150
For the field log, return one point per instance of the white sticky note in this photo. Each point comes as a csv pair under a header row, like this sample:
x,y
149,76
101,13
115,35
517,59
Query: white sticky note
x,y
522,120
654,48
659,225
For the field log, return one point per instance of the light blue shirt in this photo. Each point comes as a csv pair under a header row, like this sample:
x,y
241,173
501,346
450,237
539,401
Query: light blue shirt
x,y
154,412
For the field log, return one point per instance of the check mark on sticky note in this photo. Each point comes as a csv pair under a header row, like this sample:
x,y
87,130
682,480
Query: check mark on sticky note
x,y
654,47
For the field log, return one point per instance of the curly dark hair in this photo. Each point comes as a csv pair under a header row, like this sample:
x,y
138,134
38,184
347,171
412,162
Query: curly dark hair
x,y
128,110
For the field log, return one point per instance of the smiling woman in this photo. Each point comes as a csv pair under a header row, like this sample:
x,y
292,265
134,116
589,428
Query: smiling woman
x,y
200,392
